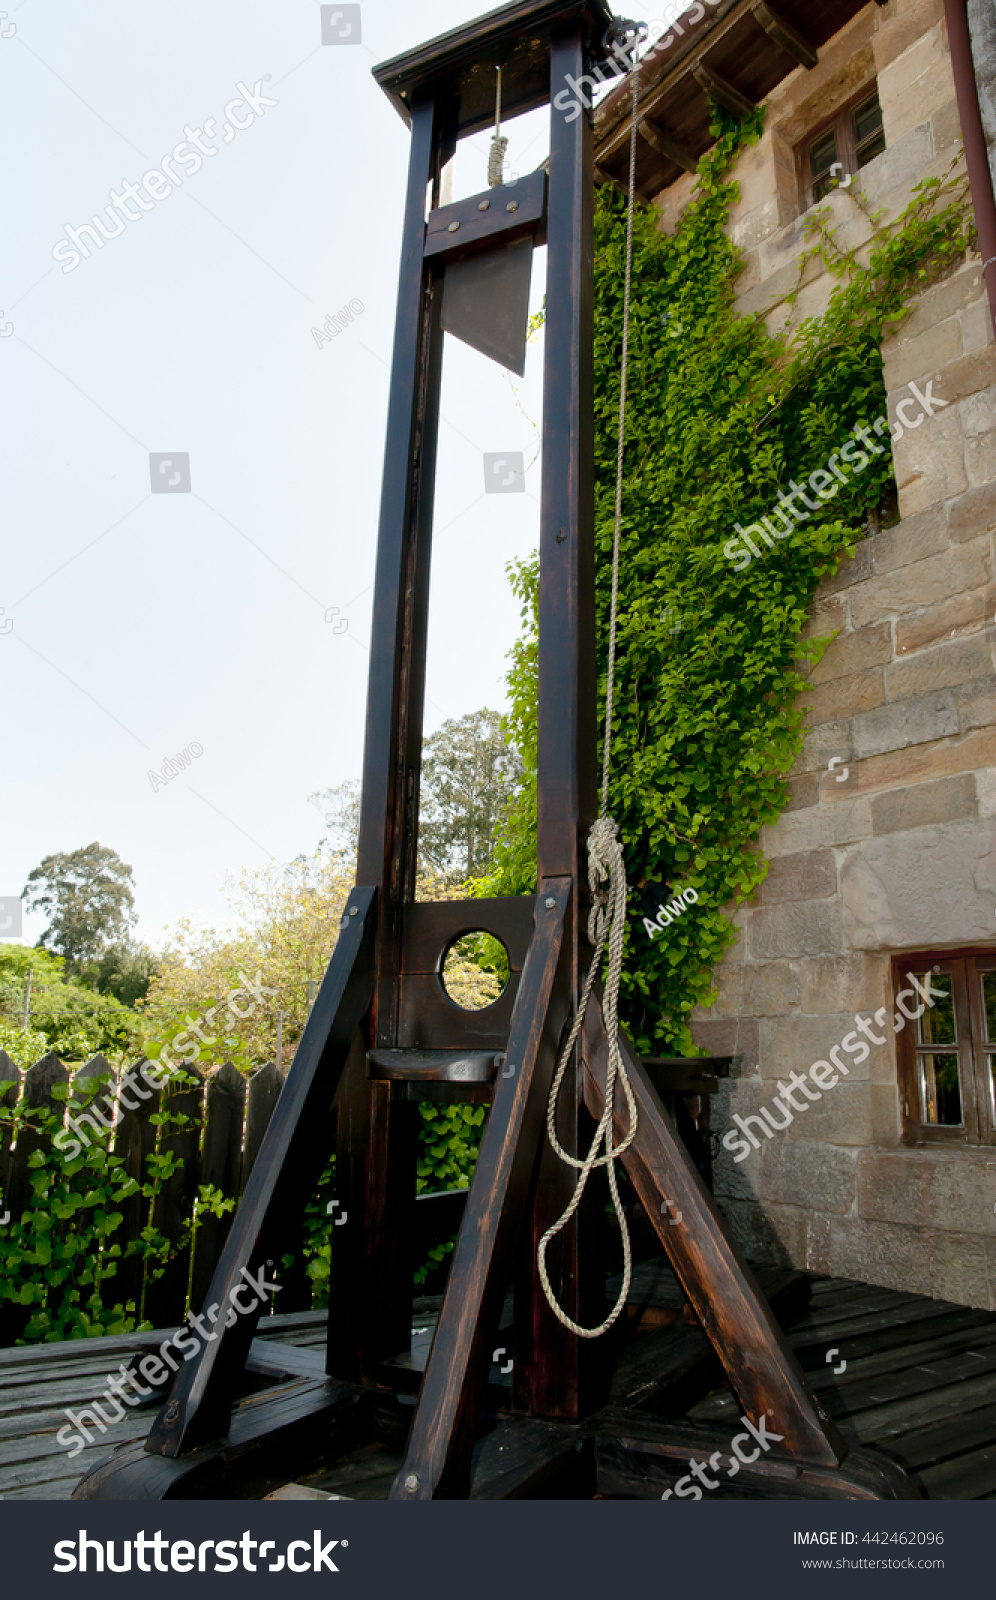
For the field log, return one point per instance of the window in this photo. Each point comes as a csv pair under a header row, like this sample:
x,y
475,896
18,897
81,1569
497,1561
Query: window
x,y
854,138
947,1055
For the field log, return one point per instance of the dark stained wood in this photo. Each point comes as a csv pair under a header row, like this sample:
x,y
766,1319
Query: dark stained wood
x,y
429,1020
290,1162
517,35
719,90
372,1263
666,146
435,1066
525,1460
261,1100
642,1456
172,1207
784,35
134,1142
270,1435
93,1088
221,1160
760,1366
561,1367
509,212
430,927
437,1464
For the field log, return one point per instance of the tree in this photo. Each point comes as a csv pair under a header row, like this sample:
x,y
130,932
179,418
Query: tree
x,y
123,970
470,773
87,893
75,1022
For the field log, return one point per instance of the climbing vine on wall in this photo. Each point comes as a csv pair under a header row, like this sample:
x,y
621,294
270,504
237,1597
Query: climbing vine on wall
x,y
721,414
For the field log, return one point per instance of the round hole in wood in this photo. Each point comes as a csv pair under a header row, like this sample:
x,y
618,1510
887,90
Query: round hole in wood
x,y
475,969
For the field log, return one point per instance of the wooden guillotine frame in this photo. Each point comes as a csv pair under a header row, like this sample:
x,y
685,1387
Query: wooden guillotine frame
x,y
383,1033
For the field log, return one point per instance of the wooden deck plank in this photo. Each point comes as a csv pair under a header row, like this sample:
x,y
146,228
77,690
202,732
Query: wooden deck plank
x,y
927,1447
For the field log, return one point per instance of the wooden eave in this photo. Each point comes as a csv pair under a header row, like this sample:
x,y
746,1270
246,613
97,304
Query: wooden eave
x,y
743,48
460,64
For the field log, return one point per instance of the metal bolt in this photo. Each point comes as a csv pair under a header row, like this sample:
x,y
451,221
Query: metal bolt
x,y
513,205
172,1411
484,205
354,911
453,227
412,1481
549,902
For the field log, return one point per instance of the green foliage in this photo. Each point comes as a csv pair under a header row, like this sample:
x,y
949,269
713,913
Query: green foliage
x,y
720,416
74,1021
469,772
87,894
123,971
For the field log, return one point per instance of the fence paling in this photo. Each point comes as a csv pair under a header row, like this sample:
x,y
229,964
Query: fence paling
x,y
134,1143
264,1092
36,1092
166,1296
221,1163
10,1083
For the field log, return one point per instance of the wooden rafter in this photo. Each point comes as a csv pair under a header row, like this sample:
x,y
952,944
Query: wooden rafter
x,y
666,146
722,92
784,35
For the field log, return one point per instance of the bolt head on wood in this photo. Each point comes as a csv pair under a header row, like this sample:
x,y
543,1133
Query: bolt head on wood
x,y
549,902
513,205
354,911
412,1481
484,205
453,227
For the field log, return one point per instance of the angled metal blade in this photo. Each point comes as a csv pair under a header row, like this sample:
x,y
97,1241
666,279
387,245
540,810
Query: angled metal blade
x,y
486,302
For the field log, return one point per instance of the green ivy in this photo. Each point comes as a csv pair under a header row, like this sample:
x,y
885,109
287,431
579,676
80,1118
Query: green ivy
x,y
721,414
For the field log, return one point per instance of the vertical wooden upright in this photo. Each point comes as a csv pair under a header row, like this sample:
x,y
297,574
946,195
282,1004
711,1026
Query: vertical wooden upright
x,y
555,1366
375,1147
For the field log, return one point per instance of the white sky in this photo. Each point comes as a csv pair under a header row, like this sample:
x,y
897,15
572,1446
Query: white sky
x,y
140,623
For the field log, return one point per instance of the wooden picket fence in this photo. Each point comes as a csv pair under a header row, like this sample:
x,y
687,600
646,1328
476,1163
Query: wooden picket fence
x,y
217,1145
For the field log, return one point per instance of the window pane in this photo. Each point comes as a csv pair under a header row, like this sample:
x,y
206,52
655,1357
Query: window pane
x,y
823,154
937,1025
870,149
940,1085
868,119
989,1003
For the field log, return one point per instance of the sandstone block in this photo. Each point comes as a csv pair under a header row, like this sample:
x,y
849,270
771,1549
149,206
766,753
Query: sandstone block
x,y
792,1044
853,569
960,1261
924,357
820,826
894,1186
972,513
977,749
842,1117
933,885
923,534
930,462
958,615
980,460
965,566
798,928
940,667
920,804
977,704
835,984
905,722
827,740
803,791
825,617
942,300
915,84
843,697
905,29
966,376
976,325
818,1177
736,1036
855,652
810,875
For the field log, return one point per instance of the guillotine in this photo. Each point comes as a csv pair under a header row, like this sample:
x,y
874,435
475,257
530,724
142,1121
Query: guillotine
x,y
383,1034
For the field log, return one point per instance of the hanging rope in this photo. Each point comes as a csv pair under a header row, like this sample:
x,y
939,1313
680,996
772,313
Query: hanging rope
x,y
607,919
496,155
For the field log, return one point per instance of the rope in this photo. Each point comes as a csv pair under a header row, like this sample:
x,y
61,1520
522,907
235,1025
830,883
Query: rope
x,y
607,919
496,155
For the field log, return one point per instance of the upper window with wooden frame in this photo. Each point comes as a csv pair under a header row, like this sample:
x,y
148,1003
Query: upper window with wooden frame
x,y
842,147
947,1054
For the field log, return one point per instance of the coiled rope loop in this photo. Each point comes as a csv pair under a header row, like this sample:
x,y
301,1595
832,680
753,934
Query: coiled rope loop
x,y
607,919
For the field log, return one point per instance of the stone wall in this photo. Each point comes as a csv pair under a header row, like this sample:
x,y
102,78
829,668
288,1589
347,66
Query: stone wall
x,y
895,849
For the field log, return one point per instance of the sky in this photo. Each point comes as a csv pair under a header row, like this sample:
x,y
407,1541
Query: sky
x,y
227,614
